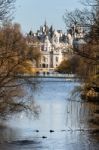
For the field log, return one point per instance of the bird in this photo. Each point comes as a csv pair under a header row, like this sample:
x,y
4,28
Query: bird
x,y
44,137
36,130
51,131
63,130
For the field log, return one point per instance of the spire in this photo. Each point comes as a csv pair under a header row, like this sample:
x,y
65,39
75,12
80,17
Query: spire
x,y
45,24
51,31
45,27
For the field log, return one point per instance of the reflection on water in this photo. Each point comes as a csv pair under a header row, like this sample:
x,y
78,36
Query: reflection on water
x,y
67,119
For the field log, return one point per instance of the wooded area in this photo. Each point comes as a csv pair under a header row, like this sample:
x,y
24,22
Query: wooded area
x,y
16,59
85,62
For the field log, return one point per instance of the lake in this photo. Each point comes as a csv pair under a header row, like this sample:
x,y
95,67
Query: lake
x,y
62,124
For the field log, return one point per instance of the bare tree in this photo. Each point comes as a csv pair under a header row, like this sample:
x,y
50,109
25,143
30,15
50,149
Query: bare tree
x,y
88,19
78,17
5,8
15,58
90,3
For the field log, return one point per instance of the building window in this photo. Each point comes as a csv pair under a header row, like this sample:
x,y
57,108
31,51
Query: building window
x,y
46,65
44,59
56,59
42,47
43,65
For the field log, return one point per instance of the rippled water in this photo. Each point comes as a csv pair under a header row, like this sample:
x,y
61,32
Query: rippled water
x,y
63,123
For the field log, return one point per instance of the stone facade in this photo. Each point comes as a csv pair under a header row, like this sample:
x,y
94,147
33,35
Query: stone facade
x,y
55,46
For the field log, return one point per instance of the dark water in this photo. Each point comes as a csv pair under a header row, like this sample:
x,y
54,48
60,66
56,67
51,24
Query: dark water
x,y
68,120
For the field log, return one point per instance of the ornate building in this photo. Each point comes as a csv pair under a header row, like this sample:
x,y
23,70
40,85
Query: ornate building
x,y
55,46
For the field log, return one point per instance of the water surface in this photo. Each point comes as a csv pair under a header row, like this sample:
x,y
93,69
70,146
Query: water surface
x,y
68,119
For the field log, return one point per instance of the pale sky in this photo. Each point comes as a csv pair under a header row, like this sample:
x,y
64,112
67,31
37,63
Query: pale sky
x,y
31,14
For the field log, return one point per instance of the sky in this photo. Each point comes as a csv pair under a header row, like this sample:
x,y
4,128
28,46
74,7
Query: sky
x,y
31,14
